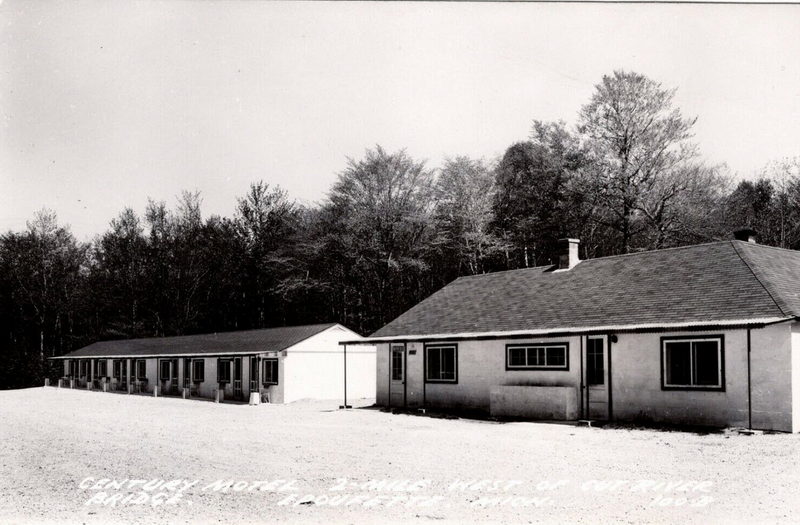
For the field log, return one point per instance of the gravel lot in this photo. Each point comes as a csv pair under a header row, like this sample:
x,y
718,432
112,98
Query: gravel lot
x,y
59,444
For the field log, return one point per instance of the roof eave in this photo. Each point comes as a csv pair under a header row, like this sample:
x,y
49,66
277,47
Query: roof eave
x,y
589,330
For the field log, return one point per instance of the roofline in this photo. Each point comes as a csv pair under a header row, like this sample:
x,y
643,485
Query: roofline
x,y
145,356
199,354
589,330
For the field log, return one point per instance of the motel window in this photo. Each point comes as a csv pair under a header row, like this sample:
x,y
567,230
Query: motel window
x,y
692,363
116,365
198,371
550,356
223,370
164,372
141,369
102,368
440,364
270,371
84,368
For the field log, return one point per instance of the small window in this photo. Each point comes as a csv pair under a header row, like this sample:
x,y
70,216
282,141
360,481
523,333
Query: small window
x,y
198,370
692,363
397,362
552,356
116,365
270,371
595,369
102,368
440,363
223,370
164,371
141,369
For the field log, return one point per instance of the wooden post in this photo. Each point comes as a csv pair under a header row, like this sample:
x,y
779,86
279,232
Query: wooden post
x,y
155,391
46,381
128,375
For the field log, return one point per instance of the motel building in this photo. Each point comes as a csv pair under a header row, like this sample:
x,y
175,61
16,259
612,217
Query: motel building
x,y
280,365
697,335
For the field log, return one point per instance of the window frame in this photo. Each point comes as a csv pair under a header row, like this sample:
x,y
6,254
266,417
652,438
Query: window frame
x,y
526,346
227,363
143,364
719,338
161,363
602,369
103,362
399,349
428,346
202,375
272,361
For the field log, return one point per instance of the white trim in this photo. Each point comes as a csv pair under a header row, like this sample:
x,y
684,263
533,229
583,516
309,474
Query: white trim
x,y
574,330
544,346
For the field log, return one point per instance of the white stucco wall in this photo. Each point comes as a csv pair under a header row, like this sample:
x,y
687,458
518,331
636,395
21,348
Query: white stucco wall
x,y
314,368
636,383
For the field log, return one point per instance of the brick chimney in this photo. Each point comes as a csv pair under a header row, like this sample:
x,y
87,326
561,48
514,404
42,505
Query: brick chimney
x,y
745,234
568,253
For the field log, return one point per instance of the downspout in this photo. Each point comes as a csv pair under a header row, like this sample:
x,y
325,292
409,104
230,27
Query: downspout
x,y
610,389
583,413
345,378
749,397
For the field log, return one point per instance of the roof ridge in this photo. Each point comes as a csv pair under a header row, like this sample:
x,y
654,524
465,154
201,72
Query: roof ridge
x,y
206,334
766,289
643,252
759,245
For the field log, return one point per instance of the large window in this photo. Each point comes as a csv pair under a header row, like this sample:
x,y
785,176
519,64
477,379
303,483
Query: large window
x,y
102,368
544,356
84,368
270,373
198,370
223,370
693,363
441,363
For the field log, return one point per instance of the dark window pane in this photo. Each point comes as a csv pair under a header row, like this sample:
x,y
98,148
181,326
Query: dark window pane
x,y
706,363
448,363
556,356
516,356
535,356
434,363
595,372
677,361
397,364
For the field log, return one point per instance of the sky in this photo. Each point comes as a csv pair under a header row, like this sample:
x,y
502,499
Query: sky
x,y
104,104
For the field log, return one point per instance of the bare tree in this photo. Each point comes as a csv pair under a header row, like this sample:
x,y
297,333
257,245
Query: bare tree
x,y
635,139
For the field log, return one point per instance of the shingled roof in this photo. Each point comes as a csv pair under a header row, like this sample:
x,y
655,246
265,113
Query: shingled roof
x,y
724,282
242,342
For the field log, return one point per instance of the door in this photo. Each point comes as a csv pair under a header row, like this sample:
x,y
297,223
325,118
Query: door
x,y
397,375
596,380
237,379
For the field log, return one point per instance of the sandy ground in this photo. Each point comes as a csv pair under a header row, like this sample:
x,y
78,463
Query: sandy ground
x,y
58,444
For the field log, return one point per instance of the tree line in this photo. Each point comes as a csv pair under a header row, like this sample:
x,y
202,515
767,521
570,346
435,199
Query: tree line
x,y
392,230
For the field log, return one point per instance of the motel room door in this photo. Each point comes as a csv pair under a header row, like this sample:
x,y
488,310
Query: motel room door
x,y
596,395
397,375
